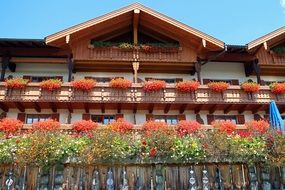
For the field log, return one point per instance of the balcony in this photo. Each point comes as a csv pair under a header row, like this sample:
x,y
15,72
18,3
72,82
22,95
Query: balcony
x,y
136,54
102,95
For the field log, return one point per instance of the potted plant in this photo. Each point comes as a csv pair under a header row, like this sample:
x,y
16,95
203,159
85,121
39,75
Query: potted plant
x,y
10,126
187,86
47,125
51,84
120,83
187,127
16,83
218,86
227,127
125,46
250,87
154,85
277,88
84,126
84,85
260,126
121,126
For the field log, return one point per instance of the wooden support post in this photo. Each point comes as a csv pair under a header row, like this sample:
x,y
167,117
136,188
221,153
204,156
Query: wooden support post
x,y
136,66
70,65
256,68
5,63
135,26
198,70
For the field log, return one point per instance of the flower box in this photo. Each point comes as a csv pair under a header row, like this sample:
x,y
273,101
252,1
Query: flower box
x,y
120,83
16,83
154,125
9,126
188,127
84,126
187,86
84,84
121,126
47,125
277,88
154,85
51,84
218,86
227,127
250,87
260,126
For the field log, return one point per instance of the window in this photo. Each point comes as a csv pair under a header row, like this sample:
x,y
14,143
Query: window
x,y
230,81
103,119
232,118
169,81
41,78
169,119
32,118
102,79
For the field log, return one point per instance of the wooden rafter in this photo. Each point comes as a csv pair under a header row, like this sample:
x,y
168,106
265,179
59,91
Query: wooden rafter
x,y
243,108
20,106
53,107
135,108
182,108
69,107
228,108
257,108
167,108
213,108
198,108
37,107
135,25
103,108
119,108
86,107
4,107
150,108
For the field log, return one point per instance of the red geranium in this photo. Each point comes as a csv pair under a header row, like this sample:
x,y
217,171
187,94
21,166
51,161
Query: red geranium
x,y
152,152
84,84
218,86
244,134
154,125
154,85
84,126
121,126
187,86
225,126
16,83
250,87
120,83
10,126
51,84
277,88
260,126
47,125
188,127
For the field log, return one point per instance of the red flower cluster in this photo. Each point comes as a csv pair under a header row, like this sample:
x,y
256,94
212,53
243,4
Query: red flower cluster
x,y
84,126
84,84
250,87
152,152
154,85
260,126
120,83
225,126
244,134
277,88
51,84
154,125
10,126
187,86
47,125
16,83
188,127
121,126
218,86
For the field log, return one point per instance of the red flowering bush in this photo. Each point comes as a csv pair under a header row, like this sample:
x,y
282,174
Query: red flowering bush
x,y
84,126
10,126
120,83
187,86
84,84
277,88
225,126
244,134
47,125
154,125
260,126
154,85
121,125
187,127
218,86
16,83
51,84
250,87
152,152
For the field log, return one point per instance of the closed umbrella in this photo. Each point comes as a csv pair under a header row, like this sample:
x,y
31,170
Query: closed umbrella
x,y
276,121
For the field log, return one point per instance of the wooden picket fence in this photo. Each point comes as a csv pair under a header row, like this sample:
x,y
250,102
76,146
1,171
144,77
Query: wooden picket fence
x,y
143,177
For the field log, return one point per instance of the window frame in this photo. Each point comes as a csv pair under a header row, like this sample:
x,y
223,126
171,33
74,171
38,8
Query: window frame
x,y
165,119
37,118
102,118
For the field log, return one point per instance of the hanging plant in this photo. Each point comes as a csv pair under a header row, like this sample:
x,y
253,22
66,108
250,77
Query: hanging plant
x,y
10,126
188,127
47,125
51,84
120,83
260,126
218,86
250,87
187,86
154,85
225,126
121,126
16,83
277,88
126,46
84,84
84,126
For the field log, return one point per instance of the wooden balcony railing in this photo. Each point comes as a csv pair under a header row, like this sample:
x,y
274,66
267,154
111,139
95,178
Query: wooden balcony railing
x,y
136,54
102,93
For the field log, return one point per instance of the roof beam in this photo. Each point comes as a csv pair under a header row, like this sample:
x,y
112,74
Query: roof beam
x,y
37,107
167,108
53,107
150,108
135,25
198,108
213,108
257,108
4,107
135,108
243,108
69,107
103,108
228,109
119,108
20,106
182,108
86,107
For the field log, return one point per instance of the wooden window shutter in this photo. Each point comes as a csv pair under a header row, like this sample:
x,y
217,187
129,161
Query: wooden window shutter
x,y
181,117
240,119
55,116
86,116
179,79
235,82
206,81
210,119
148,117
119,115
22,117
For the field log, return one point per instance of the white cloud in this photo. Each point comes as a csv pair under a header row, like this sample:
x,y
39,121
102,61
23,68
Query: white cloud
x,y
282,3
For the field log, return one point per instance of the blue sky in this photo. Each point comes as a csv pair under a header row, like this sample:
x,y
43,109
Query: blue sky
x,y
232,21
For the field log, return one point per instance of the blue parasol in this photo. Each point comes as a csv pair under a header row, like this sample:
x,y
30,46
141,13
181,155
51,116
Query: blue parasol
x,y
275,118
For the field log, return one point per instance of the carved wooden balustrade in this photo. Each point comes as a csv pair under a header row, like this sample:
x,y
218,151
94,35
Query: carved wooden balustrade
x,y
115,53
102,93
